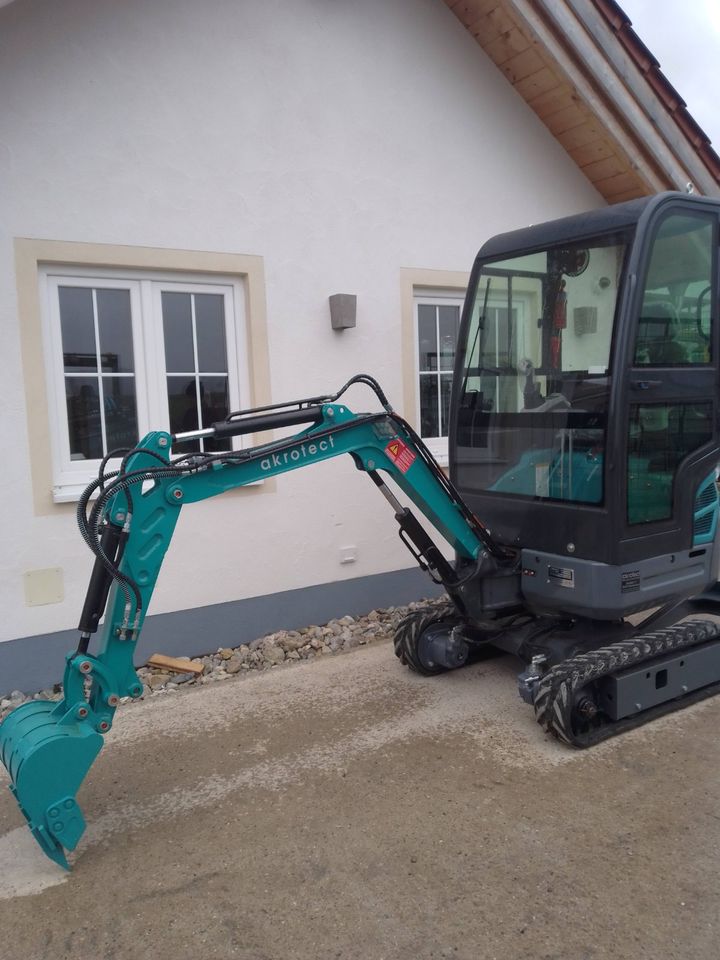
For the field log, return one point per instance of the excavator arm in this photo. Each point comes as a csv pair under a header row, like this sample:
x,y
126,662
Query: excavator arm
x,y
48,747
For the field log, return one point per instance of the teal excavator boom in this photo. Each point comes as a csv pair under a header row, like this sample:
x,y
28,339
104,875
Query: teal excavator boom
x,y
48,747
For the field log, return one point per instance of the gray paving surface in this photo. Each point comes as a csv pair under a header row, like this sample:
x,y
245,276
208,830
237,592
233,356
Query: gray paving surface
x,y
348,809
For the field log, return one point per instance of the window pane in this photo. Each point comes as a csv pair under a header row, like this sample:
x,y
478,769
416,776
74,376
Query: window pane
x,y
674,322
210,332
660,436
215,406
115,329
177,329
429,426
427,336
503,337
78,328
182,403
120,406
213,399
83,410
445,388
449,321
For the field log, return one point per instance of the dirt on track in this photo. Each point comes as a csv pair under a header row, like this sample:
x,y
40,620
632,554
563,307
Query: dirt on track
x,y
348,809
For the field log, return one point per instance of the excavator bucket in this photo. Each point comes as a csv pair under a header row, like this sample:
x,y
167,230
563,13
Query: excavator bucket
x,y
47,753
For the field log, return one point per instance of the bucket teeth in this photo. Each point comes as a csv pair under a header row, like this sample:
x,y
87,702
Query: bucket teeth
x,y
50,847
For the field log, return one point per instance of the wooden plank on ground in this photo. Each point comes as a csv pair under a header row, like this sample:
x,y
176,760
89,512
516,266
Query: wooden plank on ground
x,y
174,665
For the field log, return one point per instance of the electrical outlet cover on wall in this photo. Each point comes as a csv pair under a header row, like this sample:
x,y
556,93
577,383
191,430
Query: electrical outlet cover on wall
x,y
44,586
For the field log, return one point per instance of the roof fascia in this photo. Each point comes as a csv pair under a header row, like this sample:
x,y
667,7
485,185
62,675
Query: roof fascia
x,y
600,53
537,27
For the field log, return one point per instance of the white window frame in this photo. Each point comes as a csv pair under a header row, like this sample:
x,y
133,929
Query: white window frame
x,y
438,446
70,477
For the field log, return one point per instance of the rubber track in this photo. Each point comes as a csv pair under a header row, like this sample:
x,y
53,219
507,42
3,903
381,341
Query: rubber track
x,y
558,689
409,630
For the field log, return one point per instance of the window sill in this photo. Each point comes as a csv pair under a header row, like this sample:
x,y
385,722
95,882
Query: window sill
x,y
439,452
68,492
71,492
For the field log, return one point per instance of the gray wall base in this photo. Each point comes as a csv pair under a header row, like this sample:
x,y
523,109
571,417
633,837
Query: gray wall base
x,y
35,663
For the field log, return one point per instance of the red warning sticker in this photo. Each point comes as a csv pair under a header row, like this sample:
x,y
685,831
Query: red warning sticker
x,y
400,454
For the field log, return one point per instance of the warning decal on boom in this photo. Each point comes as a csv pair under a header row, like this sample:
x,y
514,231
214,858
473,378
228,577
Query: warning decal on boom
x,y
401,455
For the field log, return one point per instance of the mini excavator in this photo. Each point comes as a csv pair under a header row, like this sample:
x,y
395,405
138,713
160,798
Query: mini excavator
x,y
583,421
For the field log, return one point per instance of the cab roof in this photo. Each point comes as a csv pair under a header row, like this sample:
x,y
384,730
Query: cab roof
x,y
580,226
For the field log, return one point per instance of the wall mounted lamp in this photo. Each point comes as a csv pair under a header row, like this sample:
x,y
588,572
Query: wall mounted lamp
x,y
343,310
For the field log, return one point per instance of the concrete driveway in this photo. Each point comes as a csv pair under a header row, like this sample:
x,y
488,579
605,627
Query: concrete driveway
x,y
348,809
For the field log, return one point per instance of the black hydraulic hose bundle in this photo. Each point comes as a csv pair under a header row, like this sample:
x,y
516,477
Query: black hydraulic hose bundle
x,y
91,527
112,543
361,378
108,545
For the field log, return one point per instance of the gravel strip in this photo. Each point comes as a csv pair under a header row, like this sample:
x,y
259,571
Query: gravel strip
x,y
264,653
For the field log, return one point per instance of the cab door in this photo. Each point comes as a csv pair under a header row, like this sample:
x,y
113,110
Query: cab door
x,y
671,393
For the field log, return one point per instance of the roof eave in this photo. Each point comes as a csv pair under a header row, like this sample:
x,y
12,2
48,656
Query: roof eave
x,y
567,59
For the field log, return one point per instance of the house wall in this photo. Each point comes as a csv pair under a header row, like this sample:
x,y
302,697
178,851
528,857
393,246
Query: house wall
x,y
340,143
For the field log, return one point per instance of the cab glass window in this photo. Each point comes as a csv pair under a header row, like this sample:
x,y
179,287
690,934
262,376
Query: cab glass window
x,y
535,378
674,325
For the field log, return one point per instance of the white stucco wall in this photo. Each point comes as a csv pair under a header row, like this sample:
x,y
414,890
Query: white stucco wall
x,y
340,141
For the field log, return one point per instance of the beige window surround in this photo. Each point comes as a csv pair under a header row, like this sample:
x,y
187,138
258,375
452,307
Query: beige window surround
x,y
31,255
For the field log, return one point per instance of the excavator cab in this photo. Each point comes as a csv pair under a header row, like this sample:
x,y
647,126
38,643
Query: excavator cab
x,y
584,425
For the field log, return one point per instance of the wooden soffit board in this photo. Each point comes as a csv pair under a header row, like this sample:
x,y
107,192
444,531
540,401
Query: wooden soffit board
x,y
564,96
